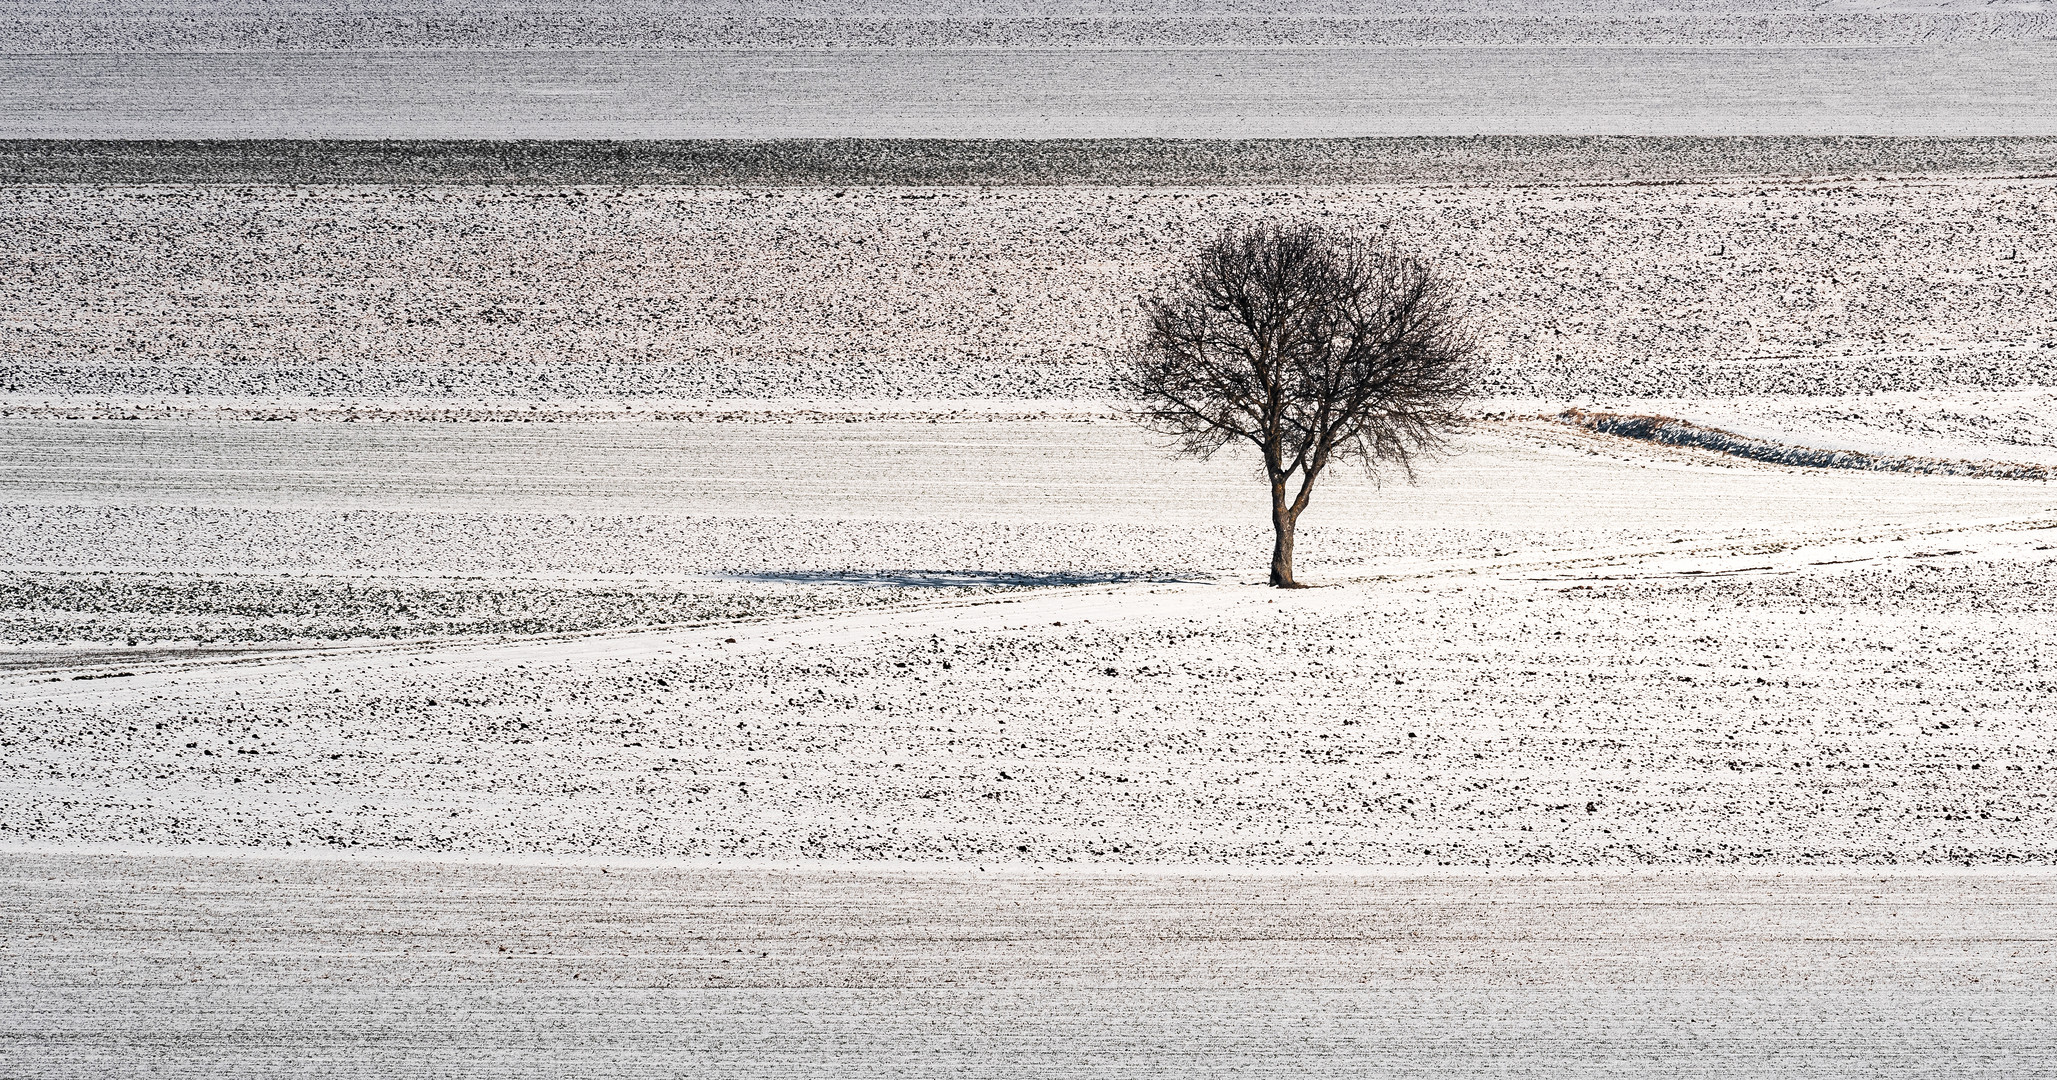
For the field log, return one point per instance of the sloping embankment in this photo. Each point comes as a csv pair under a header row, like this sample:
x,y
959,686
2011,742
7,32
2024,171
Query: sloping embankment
x,y
1674,432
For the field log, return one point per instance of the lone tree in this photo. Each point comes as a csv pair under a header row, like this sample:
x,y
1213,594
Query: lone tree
x,y
1311,345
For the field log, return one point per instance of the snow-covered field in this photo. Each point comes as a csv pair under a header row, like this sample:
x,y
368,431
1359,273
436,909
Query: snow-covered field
x,y
186,26
118,300
619,577
1983,88
992,162
340,484
465,69
256,966
1559,649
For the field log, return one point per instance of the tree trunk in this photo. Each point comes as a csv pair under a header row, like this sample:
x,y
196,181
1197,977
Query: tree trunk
x,y
1282,521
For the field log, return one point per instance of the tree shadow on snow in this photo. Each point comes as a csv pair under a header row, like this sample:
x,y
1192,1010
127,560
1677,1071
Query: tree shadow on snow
x,y
960,578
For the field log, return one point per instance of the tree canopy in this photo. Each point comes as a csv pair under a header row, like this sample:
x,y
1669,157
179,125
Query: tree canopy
x,y
1312,346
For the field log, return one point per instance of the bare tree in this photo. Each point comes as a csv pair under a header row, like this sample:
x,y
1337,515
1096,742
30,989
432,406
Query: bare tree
x,y
1312,346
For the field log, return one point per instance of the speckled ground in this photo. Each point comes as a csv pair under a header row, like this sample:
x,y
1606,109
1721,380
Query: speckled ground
x,y
522,300
1640,659
346,967
802,675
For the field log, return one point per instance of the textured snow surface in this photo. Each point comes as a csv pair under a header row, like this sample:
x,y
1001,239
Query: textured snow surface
x,y
1084,470
477,69
1672,431
1977,88
119,298
758,162
55,26
1788,725
1263,70
2018,425
1897,714
140,608
1555,650
384,967
803,674
1020,498
802,529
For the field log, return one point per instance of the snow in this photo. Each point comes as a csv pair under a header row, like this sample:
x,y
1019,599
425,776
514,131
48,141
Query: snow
x,y
345,483
388,299
1492,657
2016,425
374,967
478,627
1981,87
45,26
366,563
468,69
1001,162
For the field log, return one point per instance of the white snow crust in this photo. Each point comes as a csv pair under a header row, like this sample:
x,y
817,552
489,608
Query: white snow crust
x,y
795,523
121,301
470,69
47,26
1603,657
465,967
636,630
1980,87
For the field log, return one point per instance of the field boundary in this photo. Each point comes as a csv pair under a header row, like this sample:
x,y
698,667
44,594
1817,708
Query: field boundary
x,y
916,162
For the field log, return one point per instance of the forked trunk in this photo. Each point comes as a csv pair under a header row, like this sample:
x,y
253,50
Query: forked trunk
x,y
1282,521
